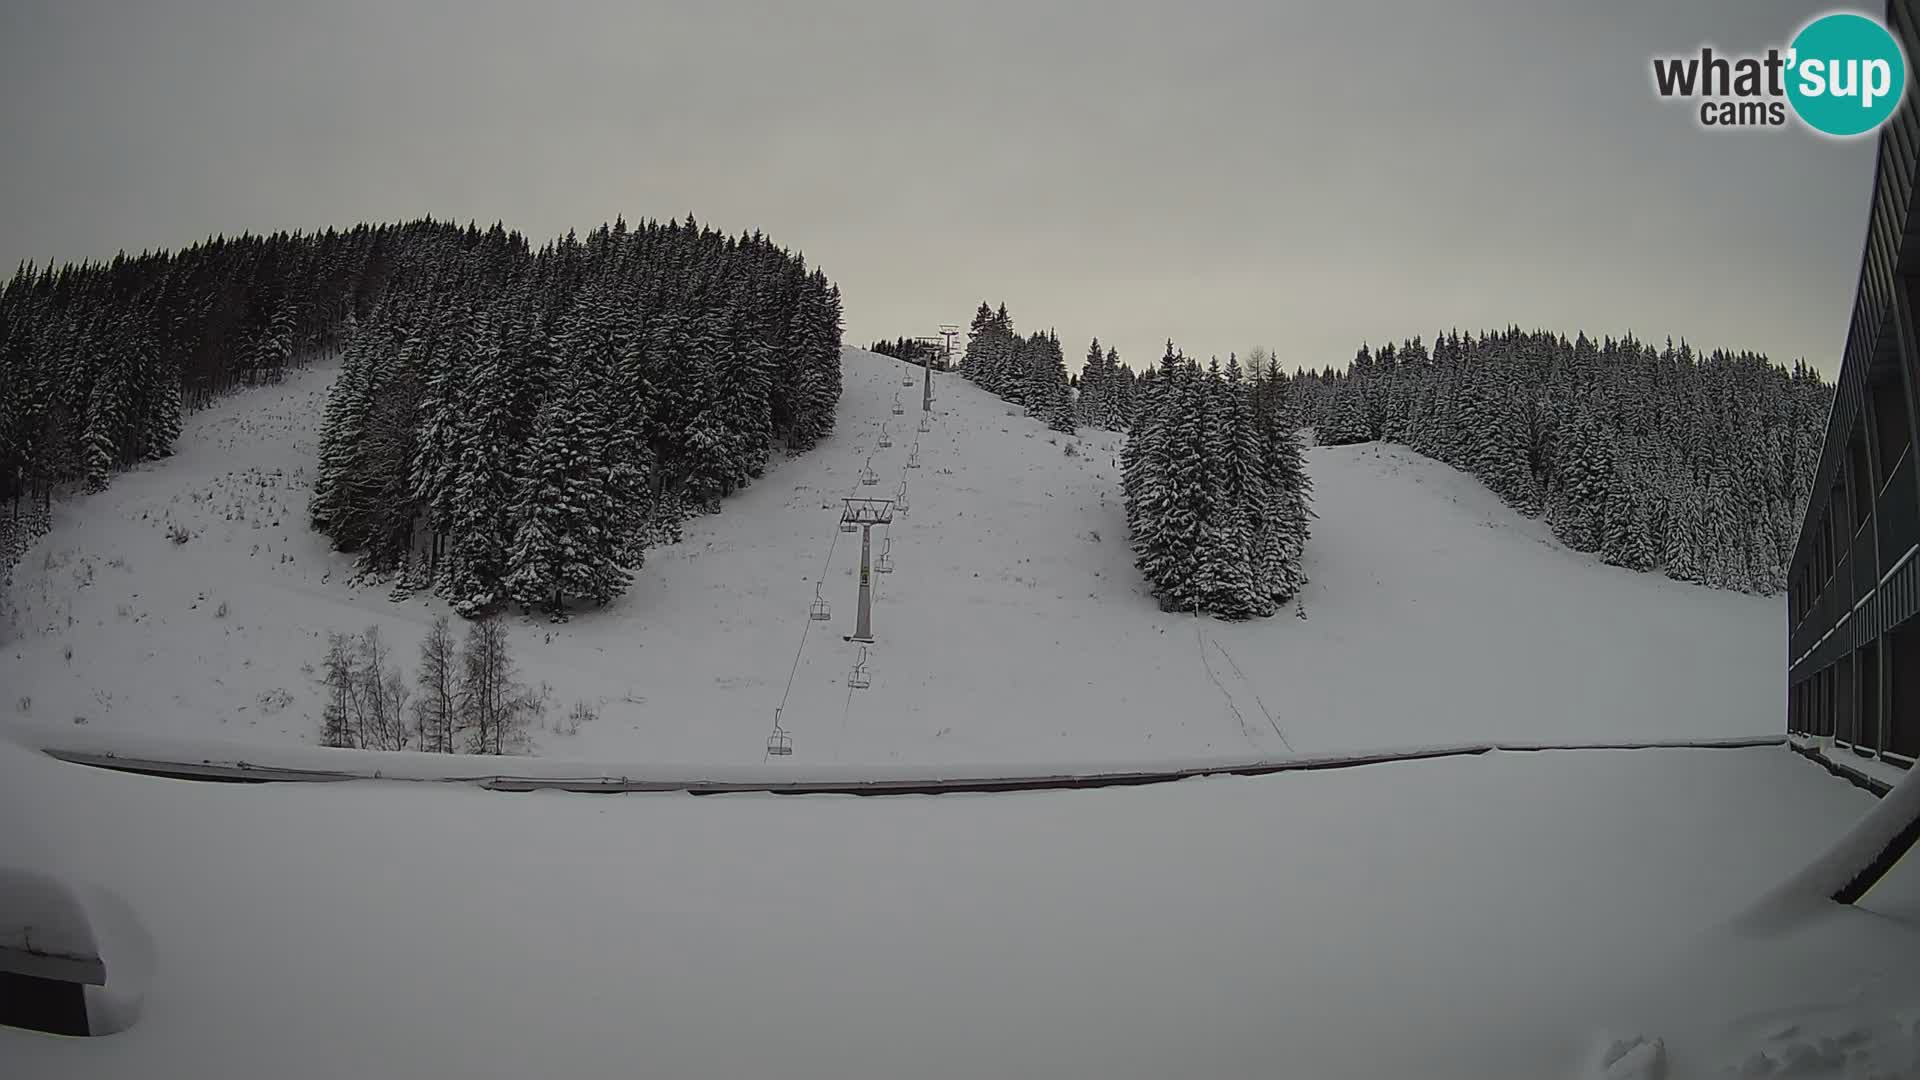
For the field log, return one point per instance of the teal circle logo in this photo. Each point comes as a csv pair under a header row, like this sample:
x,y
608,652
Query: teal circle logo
x,y
1846,74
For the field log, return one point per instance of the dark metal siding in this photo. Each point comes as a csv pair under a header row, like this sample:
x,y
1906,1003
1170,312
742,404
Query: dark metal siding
x,y
1846,674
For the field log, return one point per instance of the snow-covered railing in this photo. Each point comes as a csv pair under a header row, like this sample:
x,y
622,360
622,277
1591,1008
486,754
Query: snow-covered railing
x,y
255,764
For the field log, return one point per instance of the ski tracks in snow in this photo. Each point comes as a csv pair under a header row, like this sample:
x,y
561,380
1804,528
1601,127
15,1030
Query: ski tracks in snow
x,y
1246,684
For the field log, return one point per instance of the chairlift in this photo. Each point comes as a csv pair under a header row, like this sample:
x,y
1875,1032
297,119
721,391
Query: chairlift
x,y
867,475
885,564
898,408
913,458
925,424
847,525
779,744
886,440
857,679
900,499
818,611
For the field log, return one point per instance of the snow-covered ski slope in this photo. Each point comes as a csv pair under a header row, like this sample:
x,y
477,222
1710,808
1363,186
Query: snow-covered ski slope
x,y
1013,630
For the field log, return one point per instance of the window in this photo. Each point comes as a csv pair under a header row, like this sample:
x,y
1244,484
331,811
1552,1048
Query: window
x,y
1903,693
1844,713
1823,702
1859,479
1893,434
1868,724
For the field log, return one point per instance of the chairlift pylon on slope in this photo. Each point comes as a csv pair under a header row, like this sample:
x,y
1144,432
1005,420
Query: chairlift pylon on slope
x,y
885,563
867,475
779,744
819,611
857,679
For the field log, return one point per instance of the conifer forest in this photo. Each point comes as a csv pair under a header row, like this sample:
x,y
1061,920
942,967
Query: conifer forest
x,y
509,425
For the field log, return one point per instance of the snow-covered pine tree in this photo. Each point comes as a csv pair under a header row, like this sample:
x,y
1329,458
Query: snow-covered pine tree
x,y
1047,389
483,488
1239,503
1145,463
1091,404
110,415
1345,417
1281,543
974,361
564,542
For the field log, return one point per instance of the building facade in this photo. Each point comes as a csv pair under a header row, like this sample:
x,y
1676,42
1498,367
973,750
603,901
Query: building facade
x,y
1853,598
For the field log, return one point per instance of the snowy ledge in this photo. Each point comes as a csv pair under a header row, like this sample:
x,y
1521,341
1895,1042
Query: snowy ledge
x,y
219,761
1870,773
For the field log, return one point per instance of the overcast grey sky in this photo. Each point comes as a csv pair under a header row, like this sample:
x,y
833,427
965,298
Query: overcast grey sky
x,y
1300,176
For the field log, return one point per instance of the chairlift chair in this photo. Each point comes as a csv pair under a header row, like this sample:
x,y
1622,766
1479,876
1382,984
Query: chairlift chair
x,y
847,525
900,499
898,408
867,475
925,424
913,458
886,440
885,563
818,611
779,744
857,679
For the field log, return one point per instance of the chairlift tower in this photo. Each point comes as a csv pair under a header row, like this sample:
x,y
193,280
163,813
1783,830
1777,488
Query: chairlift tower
x,y
865,514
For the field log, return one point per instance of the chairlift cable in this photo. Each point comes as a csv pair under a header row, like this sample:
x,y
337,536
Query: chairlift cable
x,y
805,627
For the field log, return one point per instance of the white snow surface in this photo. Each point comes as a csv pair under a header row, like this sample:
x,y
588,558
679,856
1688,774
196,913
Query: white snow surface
x,y
1014,631
1484,917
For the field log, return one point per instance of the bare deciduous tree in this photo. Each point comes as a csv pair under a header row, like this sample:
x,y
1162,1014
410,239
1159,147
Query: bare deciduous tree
x,y
337,721
383,696
494,709
436,710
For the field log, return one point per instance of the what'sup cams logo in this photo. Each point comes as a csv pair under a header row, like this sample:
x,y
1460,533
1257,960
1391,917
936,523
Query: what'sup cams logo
x,y
1843,74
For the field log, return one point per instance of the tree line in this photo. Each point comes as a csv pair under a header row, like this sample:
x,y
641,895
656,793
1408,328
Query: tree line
x,y
911,350
100,360
508,425
1698,466
520,431
1029,371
